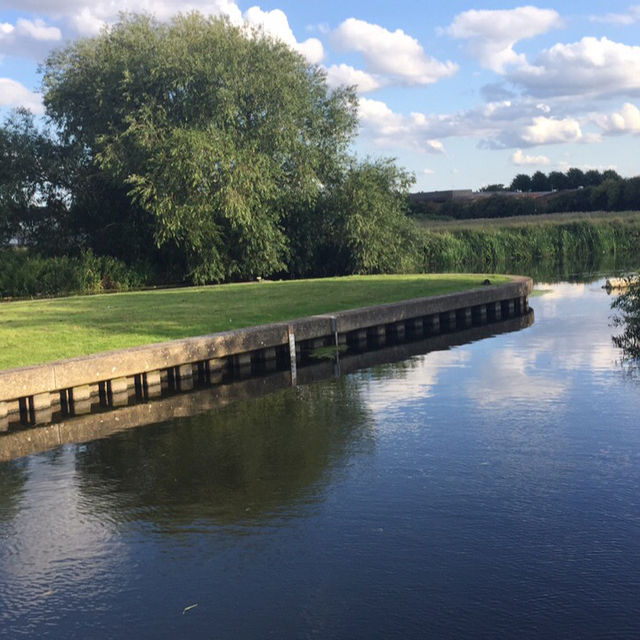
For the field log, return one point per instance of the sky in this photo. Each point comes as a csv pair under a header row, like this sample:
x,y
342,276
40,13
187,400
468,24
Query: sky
x,y
462,94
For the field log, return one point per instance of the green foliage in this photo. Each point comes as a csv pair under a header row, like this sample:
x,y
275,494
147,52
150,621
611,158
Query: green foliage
x,y
628,307
216,135
499,247
359,225
23,274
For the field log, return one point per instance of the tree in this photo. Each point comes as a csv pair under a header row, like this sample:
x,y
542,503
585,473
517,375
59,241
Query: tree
x,y
359,224
540,182
575,178
558,180
522,182
492,188
32,187
214,134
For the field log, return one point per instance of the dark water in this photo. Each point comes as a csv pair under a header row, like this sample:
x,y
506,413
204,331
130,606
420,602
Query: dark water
x,y
487,491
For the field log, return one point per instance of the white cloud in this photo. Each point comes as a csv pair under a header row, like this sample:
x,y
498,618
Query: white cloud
x,y
627,120
590,68
630,17
552,130
393,54
520,158
275,23
87,19
497,125
28,38
14,94
392,130
344,74
428,172
493,34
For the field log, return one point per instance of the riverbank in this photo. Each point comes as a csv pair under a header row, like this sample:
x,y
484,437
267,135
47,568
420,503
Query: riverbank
x,y
499,243
37,331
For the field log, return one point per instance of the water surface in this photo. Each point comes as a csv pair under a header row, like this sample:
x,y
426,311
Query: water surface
x,y
490,491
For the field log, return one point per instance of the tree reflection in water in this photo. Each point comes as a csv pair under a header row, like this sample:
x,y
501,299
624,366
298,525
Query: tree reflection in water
x,y
627,305
247,461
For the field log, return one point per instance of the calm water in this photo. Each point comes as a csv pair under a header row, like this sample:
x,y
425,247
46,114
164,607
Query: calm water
x,y
487,491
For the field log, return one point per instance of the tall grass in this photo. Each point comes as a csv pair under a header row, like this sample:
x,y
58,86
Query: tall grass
x,y
490,245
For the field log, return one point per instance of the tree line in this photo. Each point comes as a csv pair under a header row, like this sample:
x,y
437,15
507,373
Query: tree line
x,y
593,191
197,151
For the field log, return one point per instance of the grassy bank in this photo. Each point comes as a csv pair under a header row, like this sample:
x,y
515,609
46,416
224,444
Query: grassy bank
x,y
488,244
41,330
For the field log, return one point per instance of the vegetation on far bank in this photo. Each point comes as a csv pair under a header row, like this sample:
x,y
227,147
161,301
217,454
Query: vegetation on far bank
x,y
42,330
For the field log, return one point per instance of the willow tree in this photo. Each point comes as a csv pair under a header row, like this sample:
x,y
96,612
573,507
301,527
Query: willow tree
x,y
218,134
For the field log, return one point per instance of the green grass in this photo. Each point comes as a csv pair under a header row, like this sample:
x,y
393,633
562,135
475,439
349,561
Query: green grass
x,y
38,331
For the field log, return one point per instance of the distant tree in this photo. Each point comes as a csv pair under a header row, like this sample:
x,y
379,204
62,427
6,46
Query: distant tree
x,y
522,182
610,174
558,180
540,182
592,178
575,178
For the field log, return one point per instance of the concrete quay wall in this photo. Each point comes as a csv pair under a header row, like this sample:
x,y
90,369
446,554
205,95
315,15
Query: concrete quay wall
x,y
33,391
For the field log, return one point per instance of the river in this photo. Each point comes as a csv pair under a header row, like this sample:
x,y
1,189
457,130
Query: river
x,y
491,490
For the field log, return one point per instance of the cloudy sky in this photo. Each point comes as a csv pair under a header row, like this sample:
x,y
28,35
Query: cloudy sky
x,y
460,95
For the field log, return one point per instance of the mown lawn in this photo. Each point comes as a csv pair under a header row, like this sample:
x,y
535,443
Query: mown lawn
x,y
38,331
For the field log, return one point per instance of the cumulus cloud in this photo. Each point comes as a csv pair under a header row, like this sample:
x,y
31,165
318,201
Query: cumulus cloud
x,y
631,16
87,19
13,94
276,24
520,158
28,38
545,130
393,54
627,120
392,130
499,125
590,68
344,74
492,34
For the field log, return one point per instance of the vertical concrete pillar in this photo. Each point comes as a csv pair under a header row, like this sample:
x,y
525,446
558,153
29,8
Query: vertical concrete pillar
x,y
216,369
433,323
417,326
495,309
466,317
81,399
184,373
361,337
293,356
378,334
481,312
269,353
511,308
164,380
153,384
450,320
399,329
342,338
4,416
40,408
524,305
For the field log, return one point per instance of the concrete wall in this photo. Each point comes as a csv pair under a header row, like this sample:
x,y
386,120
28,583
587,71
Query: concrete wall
x,y
33,391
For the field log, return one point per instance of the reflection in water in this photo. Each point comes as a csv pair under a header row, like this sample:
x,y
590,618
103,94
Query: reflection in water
x,y
489,490
228,466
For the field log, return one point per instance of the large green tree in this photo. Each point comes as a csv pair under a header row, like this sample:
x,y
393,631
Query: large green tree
x,y
215,134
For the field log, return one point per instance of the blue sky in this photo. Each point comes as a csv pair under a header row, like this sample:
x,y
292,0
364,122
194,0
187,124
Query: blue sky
x,y
461,94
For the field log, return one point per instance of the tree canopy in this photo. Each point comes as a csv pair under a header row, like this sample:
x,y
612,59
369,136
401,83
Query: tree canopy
x,y
216,136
